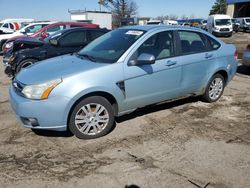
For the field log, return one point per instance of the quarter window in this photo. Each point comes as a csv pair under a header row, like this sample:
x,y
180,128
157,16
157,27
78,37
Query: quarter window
x,y
191,42
161,45
214,45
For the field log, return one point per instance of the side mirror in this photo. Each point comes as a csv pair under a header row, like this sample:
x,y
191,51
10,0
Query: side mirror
x,y
53,42
143,59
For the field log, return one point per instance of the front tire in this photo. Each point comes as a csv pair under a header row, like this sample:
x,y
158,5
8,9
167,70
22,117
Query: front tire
x,y
214,88
24,64
93,117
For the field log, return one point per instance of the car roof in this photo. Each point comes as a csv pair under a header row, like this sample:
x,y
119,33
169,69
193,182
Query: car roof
x,y
156,27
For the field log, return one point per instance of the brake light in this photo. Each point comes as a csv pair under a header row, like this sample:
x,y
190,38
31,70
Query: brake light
x,y
248,47
236,54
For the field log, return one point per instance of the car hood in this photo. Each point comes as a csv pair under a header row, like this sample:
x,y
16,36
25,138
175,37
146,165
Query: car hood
x,y
54,68
30,41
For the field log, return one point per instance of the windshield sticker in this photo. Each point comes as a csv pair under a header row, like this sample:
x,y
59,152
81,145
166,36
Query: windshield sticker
x,y
134,32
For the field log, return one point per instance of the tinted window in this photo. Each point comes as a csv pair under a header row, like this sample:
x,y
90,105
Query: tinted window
x,y
95,34
191,42
110,47
73,38
214,45
161,45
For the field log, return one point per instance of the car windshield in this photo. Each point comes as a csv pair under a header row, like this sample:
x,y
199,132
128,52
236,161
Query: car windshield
x,y
223,22
1,24
110,47
248,20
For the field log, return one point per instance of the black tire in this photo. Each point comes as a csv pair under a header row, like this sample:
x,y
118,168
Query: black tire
x,y
91,119
25,63
207,95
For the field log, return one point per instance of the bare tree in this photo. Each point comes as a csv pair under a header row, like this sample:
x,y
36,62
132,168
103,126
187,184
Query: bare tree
x,y
120,9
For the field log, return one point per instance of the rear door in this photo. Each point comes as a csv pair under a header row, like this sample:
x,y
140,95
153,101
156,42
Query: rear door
x,y
197,56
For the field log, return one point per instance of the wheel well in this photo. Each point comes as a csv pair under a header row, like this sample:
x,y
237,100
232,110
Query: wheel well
x,y
106,95
224,74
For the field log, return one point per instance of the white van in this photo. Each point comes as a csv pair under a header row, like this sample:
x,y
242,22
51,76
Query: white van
x,y
244,24
10,25
220,25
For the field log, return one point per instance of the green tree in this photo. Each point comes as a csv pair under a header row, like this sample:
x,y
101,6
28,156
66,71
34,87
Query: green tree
x,y
120,9
219,7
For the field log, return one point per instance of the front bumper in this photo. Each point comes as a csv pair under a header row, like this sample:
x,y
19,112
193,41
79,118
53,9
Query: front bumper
x,y
49,114
222,33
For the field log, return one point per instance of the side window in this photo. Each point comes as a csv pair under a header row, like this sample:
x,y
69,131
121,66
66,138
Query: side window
x,y
95,34
55,28
33,29
5,25
191,42
12,26
214,45
73,38
161,45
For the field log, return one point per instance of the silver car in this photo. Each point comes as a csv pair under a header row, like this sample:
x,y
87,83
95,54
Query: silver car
x,y
121,71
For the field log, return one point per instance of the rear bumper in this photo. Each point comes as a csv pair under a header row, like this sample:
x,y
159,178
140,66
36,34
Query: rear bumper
x,y
46,114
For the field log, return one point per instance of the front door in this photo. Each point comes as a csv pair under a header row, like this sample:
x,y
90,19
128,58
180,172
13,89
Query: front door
x,y
148,84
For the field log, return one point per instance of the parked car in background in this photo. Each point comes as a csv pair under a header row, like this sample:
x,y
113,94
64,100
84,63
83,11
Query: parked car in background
x,y
123,70
48,30
220,25
244,24
203,24
170,22
60,43
154,22
11,25
246,56
26,31
236,25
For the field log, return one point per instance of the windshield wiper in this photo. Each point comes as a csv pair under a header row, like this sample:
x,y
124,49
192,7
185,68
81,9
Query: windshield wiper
x,y
89,57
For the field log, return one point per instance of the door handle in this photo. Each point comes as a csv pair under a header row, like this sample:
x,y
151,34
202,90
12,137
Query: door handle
x,y
171,63
207,55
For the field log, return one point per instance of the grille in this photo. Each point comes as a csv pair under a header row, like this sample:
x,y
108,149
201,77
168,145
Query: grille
x,y
224,29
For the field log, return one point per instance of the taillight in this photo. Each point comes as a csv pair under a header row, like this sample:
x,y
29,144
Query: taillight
x,y
236,54
248,47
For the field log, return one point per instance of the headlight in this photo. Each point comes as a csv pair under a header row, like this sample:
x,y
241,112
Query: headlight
x,y
9,45
217,28
40,91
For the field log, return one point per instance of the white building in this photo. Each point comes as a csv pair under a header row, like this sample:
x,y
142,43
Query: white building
x,y
103,19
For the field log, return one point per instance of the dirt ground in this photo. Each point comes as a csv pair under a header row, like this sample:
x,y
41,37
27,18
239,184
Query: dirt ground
x,y
182,144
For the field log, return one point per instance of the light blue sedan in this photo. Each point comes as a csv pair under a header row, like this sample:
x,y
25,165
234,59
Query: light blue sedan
x,y
121,71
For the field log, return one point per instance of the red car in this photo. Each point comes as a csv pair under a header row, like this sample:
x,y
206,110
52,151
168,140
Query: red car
x,y
46,31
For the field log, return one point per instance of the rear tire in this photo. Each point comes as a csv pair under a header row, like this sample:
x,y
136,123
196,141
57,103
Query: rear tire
x,y
214,88
24,64
93,117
